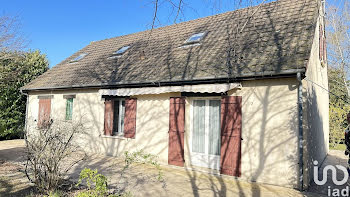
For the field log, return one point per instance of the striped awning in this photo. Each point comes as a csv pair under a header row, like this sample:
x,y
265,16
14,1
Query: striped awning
x,y
202,88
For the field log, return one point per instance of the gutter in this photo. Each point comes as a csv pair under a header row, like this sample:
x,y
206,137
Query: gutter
x,y
220,79
301,132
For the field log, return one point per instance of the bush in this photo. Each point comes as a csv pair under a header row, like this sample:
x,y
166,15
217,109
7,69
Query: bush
x,y
92,177
51,153
96,185
55,194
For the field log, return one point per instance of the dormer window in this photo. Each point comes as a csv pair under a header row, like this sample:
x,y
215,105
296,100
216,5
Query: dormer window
x,y
81,56
195,38
121,50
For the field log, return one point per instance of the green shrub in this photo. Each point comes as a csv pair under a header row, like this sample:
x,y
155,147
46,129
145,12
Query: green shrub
x,y
91,177
55,194
96,185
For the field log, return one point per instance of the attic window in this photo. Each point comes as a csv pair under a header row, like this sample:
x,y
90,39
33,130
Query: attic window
x,y
195,38
81,56
121,50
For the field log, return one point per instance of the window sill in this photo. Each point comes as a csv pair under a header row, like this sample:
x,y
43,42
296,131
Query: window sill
x,y
115,137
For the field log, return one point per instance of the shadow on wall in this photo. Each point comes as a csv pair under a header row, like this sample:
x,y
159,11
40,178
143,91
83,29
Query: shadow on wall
x,y
270,135
236,60
264,148
150,128
314,134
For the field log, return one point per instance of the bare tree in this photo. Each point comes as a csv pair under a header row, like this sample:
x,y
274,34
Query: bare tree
x,y
338,49
11,39
338,39
51,152
177,14
177,8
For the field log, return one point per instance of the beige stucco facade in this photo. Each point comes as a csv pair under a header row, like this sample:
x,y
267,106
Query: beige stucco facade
x,y
269,127
152,123
315,109
269,131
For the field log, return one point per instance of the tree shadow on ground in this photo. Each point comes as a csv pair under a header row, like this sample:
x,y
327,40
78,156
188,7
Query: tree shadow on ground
x,y
10,187
12,154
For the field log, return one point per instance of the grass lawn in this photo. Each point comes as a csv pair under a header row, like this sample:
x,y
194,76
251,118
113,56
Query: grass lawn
x,y
338,147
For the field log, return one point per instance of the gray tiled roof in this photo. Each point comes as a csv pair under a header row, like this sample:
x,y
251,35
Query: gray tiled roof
x,y
277,38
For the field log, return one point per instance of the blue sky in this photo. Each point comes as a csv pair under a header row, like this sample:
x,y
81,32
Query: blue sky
x,y
60,28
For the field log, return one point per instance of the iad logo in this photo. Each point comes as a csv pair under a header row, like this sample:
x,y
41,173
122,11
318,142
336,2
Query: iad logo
x,y
335,191
334,174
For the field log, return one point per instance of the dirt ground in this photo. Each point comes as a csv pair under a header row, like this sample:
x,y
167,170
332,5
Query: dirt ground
x,y
13,181
139,179
12,150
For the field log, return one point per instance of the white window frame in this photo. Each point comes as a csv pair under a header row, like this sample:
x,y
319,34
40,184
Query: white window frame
x,y
121,111
206,145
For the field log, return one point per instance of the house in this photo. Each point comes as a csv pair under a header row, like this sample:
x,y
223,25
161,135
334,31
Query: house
x,y
238,93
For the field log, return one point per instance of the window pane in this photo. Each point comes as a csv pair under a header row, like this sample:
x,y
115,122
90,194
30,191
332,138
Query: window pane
x,y
81,56
69,109
214,127
195,37
122,114
198,139
122,50
115,117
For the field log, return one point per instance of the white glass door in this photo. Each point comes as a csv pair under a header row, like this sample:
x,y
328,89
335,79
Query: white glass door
x,y
205,133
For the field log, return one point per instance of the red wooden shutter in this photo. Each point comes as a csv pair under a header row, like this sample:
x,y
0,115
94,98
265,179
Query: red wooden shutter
x,y
231,126
108,126
176,131
130,118
44,112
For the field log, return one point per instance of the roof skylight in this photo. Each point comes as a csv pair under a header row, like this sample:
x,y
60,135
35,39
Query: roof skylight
x,y
195,37
81,56
122,50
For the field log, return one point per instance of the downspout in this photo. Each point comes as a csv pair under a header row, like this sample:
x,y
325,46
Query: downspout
x,y
301,137
26,118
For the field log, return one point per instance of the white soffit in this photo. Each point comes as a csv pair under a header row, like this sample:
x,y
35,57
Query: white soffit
x,y
202,88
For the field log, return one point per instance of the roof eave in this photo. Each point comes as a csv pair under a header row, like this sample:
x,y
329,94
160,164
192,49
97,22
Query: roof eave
x,y
242,77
